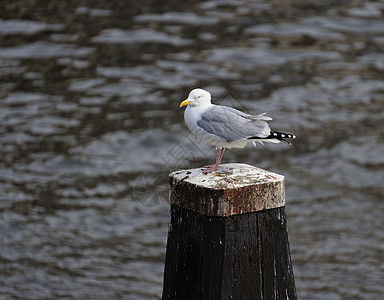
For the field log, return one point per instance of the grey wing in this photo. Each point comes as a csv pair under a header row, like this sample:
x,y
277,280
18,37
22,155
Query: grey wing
x,y
230,124
260,117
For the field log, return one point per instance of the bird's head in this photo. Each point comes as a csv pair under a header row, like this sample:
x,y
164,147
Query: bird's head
x,y
197,97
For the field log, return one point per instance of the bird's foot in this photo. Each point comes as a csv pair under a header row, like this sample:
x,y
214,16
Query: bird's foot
x,y
210,168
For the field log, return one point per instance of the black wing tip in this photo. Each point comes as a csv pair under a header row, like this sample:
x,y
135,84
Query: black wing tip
x,y
281,135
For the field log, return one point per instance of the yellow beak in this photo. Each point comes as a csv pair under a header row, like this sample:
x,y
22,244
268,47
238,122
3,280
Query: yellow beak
x,y
185,102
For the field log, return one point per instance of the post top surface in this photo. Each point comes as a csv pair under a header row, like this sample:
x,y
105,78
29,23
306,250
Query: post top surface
x,y
228,176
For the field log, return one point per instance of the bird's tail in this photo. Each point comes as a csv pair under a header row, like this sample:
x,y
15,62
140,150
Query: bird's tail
x,y
281,136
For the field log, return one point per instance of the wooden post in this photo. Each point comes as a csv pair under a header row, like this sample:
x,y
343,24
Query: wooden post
x,y
228,236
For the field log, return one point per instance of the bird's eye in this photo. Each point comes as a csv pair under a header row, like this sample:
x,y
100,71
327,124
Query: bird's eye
x,y
198,97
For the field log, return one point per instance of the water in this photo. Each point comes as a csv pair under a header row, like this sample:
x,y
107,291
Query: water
x,y
90,128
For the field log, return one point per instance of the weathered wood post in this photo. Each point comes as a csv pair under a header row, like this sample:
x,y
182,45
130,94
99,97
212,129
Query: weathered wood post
x,y
228,236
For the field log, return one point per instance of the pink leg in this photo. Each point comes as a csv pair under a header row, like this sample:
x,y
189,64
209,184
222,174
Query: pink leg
x,y
219,156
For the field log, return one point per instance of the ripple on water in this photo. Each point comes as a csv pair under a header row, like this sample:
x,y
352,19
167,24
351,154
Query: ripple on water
x,y
130,37
184,18
43,49
10,27
122,152
249,58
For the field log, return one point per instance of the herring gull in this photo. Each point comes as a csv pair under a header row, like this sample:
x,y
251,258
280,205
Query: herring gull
x,y
226,127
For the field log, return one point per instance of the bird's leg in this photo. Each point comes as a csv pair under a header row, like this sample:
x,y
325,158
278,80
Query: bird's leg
x,y
219,156
213,167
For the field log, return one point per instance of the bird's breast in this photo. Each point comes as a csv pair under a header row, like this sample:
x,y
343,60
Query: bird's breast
x,y
191,116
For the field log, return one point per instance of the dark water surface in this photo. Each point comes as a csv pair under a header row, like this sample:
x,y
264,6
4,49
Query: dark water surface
x,y
90,128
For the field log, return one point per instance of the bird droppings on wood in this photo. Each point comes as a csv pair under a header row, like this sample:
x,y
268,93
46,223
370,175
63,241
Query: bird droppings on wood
x,y
184,178
232,189
228,176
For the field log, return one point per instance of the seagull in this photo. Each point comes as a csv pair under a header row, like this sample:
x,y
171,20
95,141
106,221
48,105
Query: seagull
x,y
226,127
